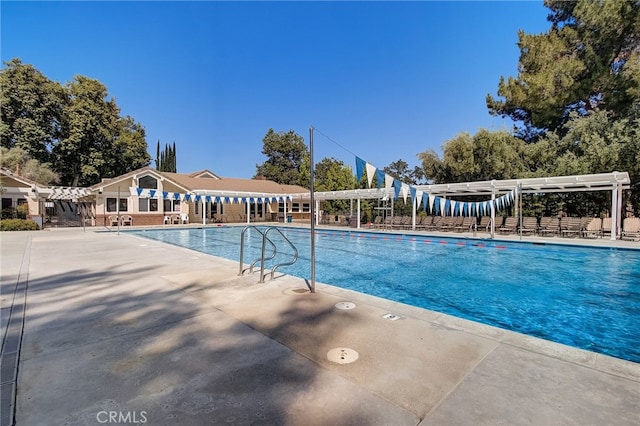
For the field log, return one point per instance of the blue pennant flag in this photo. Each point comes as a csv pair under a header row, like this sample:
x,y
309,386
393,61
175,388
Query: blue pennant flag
x,y
207,198
187,197
176,196
152,193
447,207
380,177
412,190
139,191
226,200
165,195
436,206
198,198
360,165
397,185
425,201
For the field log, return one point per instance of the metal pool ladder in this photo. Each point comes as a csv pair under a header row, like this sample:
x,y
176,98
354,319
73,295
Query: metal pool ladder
x,y
263,257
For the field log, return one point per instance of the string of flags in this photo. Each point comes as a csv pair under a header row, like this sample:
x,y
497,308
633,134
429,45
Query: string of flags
x,y
433,205
165,195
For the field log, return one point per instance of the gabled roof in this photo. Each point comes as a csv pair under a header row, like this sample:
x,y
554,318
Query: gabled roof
x,y
8,173
207,174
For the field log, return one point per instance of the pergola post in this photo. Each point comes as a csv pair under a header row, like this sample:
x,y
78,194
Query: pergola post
x,y
248,211
616,206
413,214
204,213
493,210
358,222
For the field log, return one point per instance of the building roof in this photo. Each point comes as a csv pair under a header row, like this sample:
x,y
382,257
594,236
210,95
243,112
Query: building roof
x,y
204,185
207,182
11,175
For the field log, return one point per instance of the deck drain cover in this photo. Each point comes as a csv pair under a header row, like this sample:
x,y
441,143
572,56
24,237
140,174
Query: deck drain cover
x,y
342,355
345,305
392,317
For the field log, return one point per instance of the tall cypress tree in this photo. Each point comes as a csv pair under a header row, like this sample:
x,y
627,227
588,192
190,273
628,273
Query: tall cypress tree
x,y
166,159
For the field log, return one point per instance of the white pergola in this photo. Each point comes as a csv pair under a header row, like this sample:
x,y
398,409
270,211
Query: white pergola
x,y
614,182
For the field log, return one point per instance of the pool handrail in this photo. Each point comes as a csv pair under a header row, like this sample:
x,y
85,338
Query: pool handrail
x,y
253,263
263,258
273,270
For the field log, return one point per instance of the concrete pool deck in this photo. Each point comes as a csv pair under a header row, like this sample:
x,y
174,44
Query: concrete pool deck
x,y
117,325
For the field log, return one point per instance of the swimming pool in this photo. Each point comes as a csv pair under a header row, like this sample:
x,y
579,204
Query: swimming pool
x,y
583,297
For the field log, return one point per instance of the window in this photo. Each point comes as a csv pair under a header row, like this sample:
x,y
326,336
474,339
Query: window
x,y
171,206
306,207
256,209
295,207
111,205
148,182
147,204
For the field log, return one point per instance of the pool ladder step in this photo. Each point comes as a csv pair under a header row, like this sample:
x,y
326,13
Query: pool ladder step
x,y
264,231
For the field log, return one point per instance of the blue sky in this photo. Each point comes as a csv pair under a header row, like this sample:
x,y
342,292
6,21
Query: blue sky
x,y
385,80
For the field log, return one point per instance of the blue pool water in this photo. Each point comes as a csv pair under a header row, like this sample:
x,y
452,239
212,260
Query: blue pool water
x,y
583,297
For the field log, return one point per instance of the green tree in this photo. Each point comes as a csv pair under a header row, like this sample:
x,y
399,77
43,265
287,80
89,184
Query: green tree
x,y
483,156
333,175
73,127
286,153
31,106
584,63
90,125
129,147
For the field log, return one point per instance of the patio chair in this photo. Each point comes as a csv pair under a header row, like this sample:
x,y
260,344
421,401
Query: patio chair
x,y
184,218
446,224
570,226
424,222
386,224
127,220
606,226
467,225
114,220
529,225
396,223
631,228
167,220
175,219
510,225
593,228
485,223
434,225
549,226
406,222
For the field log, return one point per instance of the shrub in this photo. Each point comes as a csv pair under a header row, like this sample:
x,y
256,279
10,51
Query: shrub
x,y
18,225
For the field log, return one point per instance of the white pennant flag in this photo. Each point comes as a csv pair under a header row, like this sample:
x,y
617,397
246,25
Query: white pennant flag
x,y
418,198
405,191
430,199
388,182
442,204
371,171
